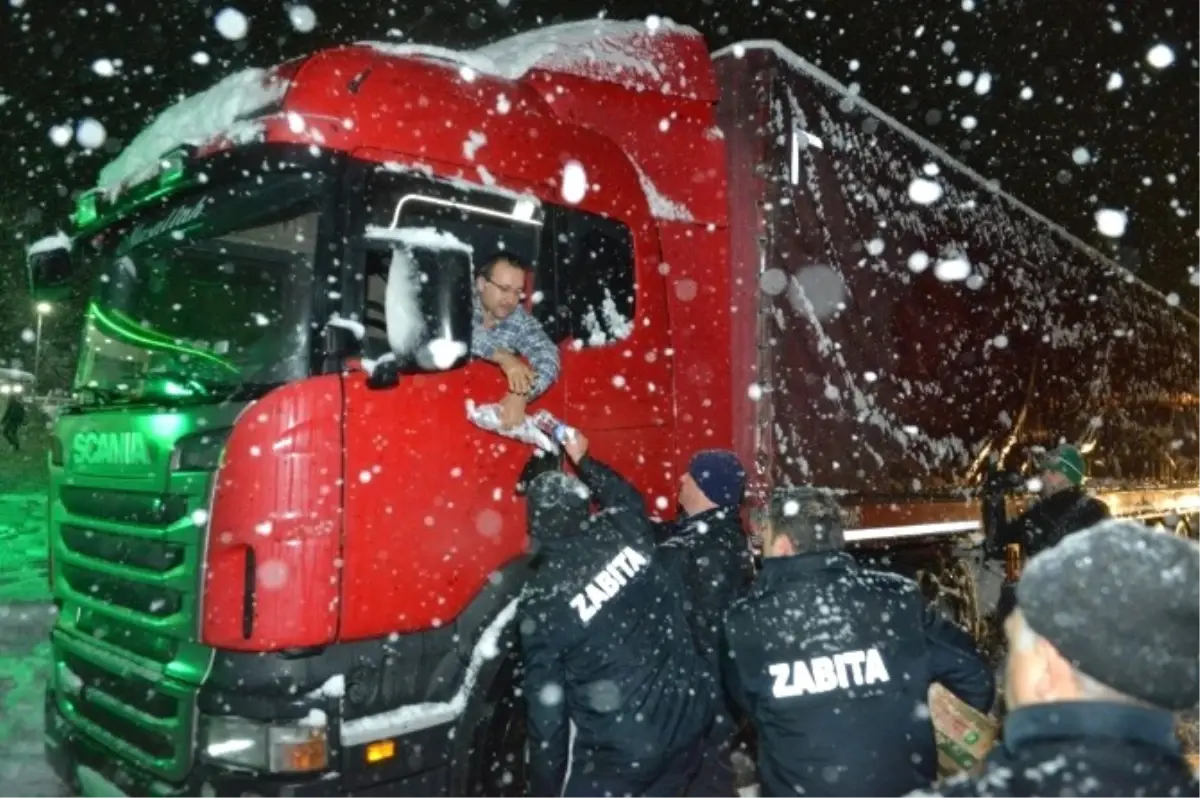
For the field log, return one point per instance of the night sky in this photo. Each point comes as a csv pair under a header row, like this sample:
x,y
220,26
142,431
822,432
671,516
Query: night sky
x,y
1051,65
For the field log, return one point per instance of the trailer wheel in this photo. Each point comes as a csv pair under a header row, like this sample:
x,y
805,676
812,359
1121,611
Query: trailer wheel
x,y
953,591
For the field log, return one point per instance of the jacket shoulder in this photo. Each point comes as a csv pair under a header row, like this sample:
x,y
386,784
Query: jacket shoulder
x,y
740,612
889,581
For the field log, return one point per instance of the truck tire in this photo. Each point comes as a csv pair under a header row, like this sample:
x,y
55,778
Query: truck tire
x,y
495,761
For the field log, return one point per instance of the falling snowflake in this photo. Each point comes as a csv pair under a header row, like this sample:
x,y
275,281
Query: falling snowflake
x,y
303,18
1111,222
924,192
1160,56
231,24
574,182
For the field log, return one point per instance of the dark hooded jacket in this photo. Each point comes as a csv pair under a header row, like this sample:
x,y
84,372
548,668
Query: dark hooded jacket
x,y
709,554
1042,526
1047,521
14,414
613,684
1082,748
833,662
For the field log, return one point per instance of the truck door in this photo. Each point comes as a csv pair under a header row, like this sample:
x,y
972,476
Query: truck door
x,y
617,367
430,509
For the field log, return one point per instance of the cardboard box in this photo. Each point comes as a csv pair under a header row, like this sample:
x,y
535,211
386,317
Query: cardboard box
x,y
964,735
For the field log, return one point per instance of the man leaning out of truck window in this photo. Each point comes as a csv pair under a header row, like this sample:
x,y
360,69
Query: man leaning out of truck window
x,y
505,332
1103,649
833,662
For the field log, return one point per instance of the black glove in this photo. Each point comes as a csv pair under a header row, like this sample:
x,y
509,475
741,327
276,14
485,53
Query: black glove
x,y
997,482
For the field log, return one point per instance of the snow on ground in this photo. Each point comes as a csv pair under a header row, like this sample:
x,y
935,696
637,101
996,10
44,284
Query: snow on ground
x,y
24,668
23,545
25,617
23,549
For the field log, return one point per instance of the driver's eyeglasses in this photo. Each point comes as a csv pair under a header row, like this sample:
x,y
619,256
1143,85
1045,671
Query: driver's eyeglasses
x,y
509,290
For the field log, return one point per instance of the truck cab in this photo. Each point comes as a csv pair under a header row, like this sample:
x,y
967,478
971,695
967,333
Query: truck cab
x,y
280,551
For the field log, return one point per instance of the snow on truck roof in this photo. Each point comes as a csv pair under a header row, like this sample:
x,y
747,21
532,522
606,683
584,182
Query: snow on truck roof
x,y
622,51
196,119
595,48
644,52
821,76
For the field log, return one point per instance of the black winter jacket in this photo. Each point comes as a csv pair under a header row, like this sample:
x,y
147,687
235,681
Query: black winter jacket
x,y
14,414
1047,521
833,663
1084,748
709,554
606,647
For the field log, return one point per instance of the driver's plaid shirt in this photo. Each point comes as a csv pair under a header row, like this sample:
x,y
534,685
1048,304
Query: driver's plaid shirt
x,y
521,334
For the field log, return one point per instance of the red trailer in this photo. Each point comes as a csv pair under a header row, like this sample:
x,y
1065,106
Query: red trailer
x,y
282,572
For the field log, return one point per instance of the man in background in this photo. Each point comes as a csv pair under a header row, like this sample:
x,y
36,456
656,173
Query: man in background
x,y
1104,648
1063,508
706,550
14,417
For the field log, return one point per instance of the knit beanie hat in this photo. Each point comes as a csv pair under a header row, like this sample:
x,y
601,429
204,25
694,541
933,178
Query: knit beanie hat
x,y
1121,602
1066,460
719,475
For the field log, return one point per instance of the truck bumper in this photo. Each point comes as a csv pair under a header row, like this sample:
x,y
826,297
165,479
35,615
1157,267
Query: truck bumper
x,y
90,770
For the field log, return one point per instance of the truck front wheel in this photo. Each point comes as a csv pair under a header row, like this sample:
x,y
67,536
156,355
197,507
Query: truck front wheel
x,y
496,764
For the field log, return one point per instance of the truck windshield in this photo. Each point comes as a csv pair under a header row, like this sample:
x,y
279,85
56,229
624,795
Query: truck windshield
x,y
207,300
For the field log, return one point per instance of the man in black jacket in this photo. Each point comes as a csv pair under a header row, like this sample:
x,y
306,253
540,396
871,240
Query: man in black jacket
x,y
14,417
617,697
708,552
1103,648
1063,508
833,662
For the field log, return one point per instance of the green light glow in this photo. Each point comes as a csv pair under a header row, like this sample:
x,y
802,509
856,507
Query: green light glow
x,y
172,388
165,426
172,171
85,210
121,329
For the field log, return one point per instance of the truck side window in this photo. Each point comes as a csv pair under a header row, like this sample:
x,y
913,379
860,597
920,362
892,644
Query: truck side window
x,y
596,277
437,216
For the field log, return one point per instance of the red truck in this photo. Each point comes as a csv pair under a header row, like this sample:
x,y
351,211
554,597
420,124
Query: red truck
x,y
284,560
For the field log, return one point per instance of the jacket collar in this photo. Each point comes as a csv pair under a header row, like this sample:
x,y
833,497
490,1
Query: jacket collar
x,y
701,522
1090,719
798,567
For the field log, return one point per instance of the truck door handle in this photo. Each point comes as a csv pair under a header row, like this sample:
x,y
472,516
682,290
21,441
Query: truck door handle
x,y
248,592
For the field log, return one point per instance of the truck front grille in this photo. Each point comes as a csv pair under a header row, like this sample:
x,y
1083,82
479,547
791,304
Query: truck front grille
x,y
127,666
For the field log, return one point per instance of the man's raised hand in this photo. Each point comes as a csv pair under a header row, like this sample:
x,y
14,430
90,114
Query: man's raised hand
x,y
520,376
576,447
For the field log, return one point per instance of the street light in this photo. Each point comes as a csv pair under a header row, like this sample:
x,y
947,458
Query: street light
x,y
42,309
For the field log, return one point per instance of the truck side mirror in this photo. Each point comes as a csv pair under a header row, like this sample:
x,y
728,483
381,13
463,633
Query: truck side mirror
x,y
49,263
385,374
429,308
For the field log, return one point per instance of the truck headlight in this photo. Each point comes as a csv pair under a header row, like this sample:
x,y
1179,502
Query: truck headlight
x,y
269,747
200,451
